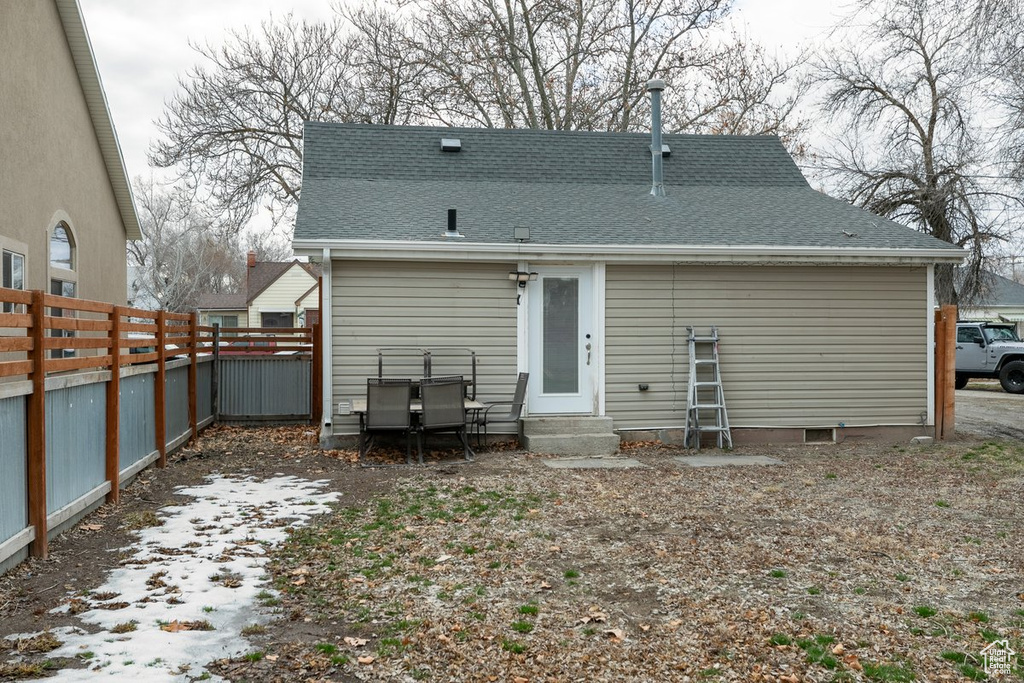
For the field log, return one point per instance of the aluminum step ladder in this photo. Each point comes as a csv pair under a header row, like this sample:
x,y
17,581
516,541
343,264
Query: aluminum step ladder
x,y
705,402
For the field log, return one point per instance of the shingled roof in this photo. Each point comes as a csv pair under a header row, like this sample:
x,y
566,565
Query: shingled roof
x,y
393,183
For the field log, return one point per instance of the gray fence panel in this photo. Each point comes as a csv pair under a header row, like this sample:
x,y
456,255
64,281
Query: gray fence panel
x,y
264,387
204,391
76,422
137,419
177,403
13,465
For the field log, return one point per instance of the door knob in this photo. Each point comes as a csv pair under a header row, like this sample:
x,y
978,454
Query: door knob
x,y
588,352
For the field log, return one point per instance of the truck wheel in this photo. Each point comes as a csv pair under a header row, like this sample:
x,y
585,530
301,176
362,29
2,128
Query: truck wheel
x,y
960,382
1012,377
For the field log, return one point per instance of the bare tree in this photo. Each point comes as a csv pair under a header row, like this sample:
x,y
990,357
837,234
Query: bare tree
x,y
182,254
911,143
235,126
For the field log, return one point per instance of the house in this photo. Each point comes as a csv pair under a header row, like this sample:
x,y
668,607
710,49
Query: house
x,y
277,294
1001,300
564,254
67,204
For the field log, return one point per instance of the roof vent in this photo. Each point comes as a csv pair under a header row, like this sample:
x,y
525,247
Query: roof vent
x,y
654,87
453,229
451,144
665,151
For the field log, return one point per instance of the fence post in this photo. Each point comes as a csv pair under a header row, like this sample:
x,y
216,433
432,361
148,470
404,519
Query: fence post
x,y
215,375
316,400
160,390
113,461
193,369
946,373
37,432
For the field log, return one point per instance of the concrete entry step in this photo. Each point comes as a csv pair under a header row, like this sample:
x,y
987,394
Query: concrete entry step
x,y
569,435
564,425
572,444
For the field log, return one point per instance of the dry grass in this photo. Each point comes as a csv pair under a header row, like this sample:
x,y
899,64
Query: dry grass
x,y
847,563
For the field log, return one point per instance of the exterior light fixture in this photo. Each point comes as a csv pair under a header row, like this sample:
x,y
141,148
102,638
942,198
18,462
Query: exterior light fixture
x,y
522,277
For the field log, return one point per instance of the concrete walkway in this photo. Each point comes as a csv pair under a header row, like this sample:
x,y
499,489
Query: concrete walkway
x,y
721,460
593,463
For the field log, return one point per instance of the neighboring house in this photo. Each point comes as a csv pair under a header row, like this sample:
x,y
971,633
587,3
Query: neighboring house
x,y
825,311
277,294
67,207
1000,300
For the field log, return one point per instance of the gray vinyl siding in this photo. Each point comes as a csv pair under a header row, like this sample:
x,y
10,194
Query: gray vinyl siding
x,y
427,305
801,346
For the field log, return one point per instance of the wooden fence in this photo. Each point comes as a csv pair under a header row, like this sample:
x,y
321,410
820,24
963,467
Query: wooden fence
x,y
52,343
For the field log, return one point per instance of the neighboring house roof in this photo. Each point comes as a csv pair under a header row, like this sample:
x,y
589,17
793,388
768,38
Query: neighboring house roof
x,y
258,278
371,184
99,112
999,291
265,273
222,302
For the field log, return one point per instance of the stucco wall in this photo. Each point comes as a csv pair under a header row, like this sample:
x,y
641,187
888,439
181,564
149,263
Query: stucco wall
x,y
52,168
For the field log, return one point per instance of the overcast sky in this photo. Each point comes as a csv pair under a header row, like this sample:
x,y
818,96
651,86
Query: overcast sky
x,y
142,47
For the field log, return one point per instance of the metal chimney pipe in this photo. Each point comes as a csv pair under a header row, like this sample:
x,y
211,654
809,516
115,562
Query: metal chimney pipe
x,y
452,227
655,86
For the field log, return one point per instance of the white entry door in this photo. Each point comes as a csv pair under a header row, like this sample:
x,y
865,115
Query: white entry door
x,y
562,354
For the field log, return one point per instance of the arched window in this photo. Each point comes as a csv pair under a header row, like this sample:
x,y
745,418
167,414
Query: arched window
x,y
62,248
63,278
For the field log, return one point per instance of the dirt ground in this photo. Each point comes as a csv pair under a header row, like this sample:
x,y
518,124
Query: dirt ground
x,y
985,410
848,562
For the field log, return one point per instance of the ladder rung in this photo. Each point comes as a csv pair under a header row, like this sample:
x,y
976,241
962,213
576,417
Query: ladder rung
x,y
709,406
707,384
711,429
705,361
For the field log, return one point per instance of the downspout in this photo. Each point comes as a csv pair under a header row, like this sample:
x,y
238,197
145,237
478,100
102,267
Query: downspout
x,y
327,347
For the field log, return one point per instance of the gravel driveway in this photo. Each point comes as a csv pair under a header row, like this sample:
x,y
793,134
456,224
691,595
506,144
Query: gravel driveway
x,y
985,411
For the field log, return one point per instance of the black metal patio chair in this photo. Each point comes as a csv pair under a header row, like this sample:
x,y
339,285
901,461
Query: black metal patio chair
x,y
514,409
388,409
443,411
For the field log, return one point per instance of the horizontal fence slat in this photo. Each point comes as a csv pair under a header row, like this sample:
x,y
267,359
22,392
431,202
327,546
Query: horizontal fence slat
x,y
15,296
15,320
10,368
15,344
139,358
76,343
65,364
80,324
139,327
54,301
138,312
267,330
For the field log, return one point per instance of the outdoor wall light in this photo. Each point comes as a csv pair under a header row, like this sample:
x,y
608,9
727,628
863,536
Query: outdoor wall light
x,y
521,277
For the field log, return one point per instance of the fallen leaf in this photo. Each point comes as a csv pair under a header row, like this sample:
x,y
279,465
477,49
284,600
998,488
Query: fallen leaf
x,y
555,549
355,642
368,659
271,658
838,649
616,634
301,581
544,585
91,527
852,662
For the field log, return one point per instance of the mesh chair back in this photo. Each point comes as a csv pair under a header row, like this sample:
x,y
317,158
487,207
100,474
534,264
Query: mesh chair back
x,y
442,402
520,395
388,403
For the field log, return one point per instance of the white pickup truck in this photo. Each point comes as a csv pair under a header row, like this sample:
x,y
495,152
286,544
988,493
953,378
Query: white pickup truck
x,y
989,350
